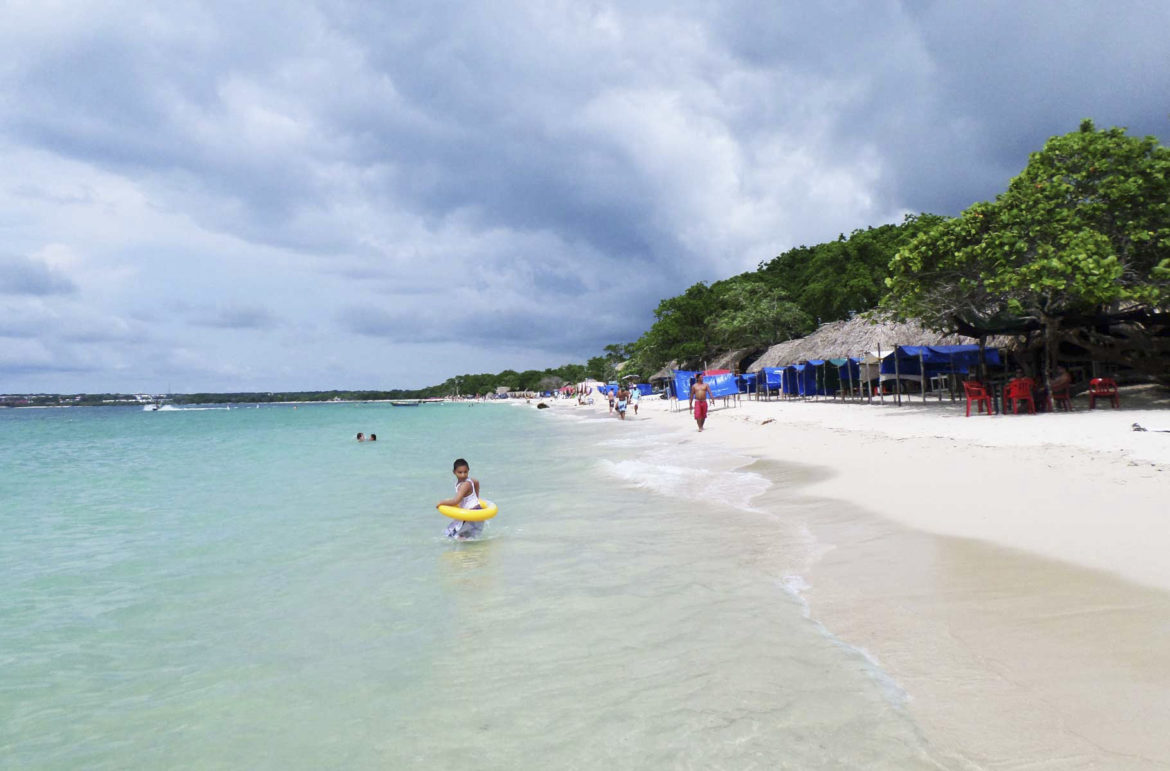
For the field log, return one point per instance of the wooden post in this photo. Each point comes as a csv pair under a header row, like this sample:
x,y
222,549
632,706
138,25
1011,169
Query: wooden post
x,y
950,380
897,378
881,390
868,382
922,373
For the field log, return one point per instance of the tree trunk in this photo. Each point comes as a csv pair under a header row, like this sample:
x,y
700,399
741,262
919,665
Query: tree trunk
x,y
1051,342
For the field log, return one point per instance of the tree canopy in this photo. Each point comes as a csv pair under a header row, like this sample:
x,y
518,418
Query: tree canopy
x,y
1082,234
783,298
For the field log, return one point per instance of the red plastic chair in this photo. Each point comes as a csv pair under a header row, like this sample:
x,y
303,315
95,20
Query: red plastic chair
x,y
1019,390
1062,399
1103,388
977,393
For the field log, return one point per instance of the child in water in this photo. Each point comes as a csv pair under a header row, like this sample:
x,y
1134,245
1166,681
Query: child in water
x,y
466,497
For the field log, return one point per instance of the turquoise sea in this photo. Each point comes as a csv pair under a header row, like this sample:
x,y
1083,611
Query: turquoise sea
x,y
252,588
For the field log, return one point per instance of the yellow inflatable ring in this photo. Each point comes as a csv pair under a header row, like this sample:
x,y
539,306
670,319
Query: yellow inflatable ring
x,y
486,510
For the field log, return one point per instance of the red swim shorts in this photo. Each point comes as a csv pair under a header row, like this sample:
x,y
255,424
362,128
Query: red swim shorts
x,y
700,410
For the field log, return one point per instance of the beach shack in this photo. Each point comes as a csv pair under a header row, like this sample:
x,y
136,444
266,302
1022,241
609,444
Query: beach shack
x,y
857,359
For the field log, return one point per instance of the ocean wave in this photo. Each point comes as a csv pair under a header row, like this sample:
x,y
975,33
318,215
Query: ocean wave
x,y
733,488
173,408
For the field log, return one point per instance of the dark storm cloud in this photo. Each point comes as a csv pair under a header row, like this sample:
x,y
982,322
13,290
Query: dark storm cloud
x,y
543,173
549,327
27,276
954,96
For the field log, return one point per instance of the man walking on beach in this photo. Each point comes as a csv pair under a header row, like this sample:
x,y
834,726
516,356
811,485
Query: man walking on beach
x,y
700,394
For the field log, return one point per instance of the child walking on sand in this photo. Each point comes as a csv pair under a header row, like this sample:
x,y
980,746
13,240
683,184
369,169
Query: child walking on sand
x,y
466,497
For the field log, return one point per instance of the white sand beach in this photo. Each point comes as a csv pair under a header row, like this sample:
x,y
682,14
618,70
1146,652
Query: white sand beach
x,y
1011,573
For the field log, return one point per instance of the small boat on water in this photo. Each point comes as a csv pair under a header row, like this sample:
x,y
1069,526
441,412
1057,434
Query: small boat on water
x,y
405,402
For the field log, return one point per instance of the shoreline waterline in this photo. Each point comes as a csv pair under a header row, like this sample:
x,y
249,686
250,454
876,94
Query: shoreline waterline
x,y
1007,656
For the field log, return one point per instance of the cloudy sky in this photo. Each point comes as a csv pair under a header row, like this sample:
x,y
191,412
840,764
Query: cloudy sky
x,y
205,196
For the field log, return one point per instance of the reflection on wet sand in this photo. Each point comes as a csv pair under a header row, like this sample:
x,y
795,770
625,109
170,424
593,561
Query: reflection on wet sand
x,y
1008,658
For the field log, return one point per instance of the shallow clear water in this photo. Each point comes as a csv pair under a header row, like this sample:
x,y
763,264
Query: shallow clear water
x,y
254,588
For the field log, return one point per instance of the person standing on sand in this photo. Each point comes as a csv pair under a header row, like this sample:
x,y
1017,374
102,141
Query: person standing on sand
x,y
700,394
635,397
623,397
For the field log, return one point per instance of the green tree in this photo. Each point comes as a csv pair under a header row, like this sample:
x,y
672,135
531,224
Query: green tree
x,y
529,380
682,330
755,314
1082,231
838,279
571,373
599,368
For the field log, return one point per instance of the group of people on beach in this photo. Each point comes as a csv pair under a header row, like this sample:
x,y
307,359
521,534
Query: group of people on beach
x,y
467,487
700,397
622,399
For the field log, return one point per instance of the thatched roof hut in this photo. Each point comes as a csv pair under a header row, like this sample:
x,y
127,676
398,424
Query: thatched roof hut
x,y
853,337
733,360
663,374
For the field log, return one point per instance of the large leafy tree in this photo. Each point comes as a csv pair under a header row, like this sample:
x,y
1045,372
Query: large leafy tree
x,y
682,331
754,314
837,279
784,298
1081,238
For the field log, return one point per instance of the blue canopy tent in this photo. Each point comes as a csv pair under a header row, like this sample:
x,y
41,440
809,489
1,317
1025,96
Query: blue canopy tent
x,y
911,359
607,389
790,386
826,376
805,377
644,388
848,375
748,383
680,382
923,363
722,385
770,379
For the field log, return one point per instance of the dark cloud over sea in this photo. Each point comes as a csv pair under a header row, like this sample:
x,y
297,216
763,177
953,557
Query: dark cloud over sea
x,y
315,195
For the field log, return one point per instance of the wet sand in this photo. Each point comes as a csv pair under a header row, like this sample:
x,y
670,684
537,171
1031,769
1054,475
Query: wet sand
x,y
1009,660
1010,573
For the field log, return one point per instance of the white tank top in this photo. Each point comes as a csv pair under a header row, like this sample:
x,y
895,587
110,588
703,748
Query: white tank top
x,y
471,500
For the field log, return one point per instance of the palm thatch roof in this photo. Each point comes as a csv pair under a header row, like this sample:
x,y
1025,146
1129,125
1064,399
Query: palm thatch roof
x,y
858,335
732,360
